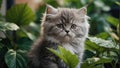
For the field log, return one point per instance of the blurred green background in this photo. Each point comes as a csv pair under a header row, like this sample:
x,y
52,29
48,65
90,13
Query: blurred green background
x,y
20,27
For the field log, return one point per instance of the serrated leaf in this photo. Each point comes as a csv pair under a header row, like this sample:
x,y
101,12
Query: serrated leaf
x,y
15,59
4,26
20,14
70,59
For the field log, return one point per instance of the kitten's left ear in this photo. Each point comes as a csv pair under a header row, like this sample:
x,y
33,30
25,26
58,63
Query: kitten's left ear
x,y
82,11
50,9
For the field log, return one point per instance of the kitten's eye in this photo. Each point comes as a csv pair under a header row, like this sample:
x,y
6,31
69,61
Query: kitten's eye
x,y
60,25
73,26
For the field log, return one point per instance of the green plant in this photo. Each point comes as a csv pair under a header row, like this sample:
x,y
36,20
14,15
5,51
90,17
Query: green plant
x,y
20,14
15,41
70,59
19,31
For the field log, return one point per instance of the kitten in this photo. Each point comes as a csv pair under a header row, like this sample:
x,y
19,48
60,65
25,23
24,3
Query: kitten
x,y
63,26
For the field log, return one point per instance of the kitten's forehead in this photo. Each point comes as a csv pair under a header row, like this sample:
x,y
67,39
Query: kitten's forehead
x,y
66,14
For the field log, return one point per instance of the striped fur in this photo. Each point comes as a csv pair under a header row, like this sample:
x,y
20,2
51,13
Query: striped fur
x,y
67,27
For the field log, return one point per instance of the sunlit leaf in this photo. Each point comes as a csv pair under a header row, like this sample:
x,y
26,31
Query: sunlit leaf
x,y
118,30
118,3
103,35
94,48
99,3
4,26
20,14
106,8
102,42
70,59
112,20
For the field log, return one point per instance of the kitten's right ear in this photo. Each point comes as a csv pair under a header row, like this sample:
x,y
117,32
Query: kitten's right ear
x,y
82,11
50,9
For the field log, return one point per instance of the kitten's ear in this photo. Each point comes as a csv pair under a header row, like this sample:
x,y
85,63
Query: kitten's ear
x,y
50,9
82,11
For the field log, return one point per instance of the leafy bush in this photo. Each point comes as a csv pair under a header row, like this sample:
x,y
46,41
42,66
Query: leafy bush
x,y
14,44
21,28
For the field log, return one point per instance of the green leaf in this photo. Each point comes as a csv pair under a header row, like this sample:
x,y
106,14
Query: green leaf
x,y
26,33
2,35
20,14
10,59
15,59
70,59
118,30
118,3
95,61
0,3
103,35
4,26
112,20
102,42
98,3
24,43
91,46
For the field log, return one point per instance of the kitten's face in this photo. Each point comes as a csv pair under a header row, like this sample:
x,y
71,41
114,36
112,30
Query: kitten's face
x,y
65,24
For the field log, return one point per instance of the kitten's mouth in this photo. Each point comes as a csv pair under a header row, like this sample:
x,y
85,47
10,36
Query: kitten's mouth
x,y
68,35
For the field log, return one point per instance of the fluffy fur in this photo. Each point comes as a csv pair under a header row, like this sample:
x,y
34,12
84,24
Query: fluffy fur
x,y
63,26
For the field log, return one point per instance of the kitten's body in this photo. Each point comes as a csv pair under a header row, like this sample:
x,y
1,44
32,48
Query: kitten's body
x,y
65,27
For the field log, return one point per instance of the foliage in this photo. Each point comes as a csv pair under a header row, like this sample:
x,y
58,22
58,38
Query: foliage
x,y
101,48
15,59
0,2
14,44
4,26
20,14
95,62
21,28
70,59
113,20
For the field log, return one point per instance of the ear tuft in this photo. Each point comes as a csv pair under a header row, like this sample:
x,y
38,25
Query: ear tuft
x,y
82,11
50,9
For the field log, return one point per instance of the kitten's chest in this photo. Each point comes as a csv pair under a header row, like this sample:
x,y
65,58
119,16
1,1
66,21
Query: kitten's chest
x,y
75,49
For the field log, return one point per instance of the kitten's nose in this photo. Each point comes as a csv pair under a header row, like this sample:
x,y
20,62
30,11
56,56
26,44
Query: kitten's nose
x,y
67,31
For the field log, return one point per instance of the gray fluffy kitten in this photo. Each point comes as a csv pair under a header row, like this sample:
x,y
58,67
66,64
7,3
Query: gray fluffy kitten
x,y
63,26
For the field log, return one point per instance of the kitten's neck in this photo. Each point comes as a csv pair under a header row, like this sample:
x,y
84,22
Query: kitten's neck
x,y
75,40
48,38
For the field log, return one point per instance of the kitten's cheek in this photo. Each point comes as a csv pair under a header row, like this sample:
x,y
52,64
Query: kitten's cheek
x,y
72,34
62,34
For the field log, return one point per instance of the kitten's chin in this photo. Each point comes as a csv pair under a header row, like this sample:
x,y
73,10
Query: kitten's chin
x,y
66,39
